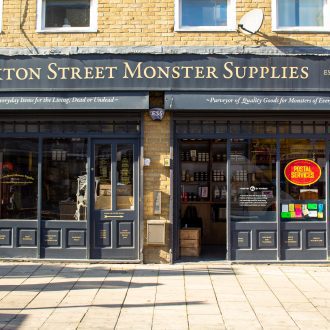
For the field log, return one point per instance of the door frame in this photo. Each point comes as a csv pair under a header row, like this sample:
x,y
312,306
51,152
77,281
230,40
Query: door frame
x,y
93,249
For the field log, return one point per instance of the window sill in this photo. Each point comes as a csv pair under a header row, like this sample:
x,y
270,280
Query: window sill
x,y
68,30
301,30
205,29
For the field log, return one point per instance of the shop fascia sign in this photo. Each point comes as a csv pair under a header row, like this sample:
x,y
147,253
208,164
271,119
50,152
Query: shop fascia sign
x,y
166,72
302,172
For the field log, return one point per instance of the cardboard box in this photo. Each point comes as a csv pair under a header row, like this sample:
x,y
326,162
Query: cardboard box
x,y
103,202
125,202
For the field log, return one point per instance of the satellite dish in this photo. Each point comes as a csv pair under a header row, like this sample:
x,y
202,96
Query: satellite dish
x,y
251,22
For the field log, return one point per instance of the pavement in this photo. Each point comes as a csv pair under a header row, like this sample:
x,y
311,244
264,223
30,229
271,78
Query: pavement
x,y
63,296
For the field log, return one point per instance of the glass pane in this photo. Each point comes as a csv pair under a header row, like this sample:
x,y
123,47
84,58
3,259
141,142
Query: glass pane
x,y
67,13
302,180
19,178
208,127
300,13
195,127
64,193
253,184
103,177
270,127
204,13
124,187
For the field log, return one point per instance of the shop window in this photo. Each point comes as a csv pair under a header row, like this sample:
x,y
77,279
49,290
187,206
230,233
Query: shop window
x,y
270,127
221,127
181,127
124,188
67,16
302,180
103,177
19,178
195,127
253,180
247,127
301,15
64,179
205,15
208,127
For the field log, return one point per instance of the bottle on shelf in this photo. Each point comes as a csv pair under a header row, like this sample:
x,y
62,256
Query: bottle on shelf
x,y
216,193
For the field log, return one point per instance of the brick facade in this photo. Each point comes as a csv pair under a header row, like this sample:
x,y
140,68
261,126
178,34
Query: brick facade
x,y
143,23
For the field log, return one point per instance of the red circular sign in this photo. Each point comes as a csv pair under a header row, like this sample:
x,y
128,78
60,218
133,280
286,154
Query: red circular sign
x,y
302,172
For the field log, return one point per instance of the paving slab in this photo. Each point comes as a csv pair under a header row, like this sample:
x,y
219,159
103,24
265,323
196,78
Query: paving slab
x,y
182,296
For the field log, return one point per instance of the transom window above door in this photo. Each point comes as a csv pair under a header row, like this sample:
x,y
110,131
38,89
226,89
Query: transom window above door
x,y
205,15
67,16
301,15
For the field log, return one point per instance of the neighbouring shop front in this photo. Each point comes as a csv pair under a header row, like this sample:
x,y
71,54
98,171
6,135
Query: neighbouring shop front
x,y
258,185
248,160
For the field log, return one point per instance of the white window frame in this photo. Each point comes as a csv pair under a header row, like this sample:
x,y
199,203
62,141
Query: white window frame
x,y
231,20
41,20
326,20
1,13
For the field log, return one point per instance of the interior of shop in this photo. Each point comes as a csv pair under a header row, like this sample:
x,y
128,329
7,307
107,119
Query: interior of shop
x,y
203,198
253,188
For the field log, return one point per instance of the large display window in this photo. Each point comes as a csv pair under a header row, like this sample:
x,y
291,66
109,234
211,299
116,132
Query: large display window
x,y
19,178
253,179
302,180
64,179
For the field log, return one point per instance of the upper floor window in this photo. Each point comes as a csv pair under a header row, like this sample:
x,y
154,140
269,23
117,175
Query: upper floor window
x,y
205,15
301,15
67,16
1,4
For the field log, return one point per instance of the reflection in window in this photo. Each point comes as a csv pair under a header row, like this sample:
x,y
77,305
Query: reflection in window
x,y
204,13
125,177
253,184
64,179
293,13
301,161
67,13
103,177
19,174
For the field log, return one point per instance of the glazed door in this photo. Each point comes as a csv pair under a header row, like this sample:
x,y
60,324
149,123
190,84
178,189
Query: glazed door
x,y
303,199
114,199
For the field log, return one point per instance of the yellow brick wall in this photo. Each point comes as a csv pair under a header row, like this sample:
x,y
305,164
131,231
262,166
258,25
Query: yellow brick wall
x,y
156,177
141,23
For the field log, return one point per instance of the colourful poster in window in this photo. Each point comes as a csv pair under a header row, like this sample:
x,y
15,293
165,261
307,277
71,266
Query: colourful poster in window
x,y
302,172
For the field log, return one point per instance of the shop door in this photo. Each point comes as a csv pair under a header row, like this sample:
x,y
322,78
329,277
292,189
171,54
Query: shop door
x,y
303,199
114,202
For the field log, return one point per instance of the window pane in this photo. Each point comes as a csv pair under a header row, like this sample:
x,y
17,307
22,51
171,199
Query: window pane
x,y
103,177
125,177
64,191
300,13
253,180
19,178
67,13
302,198
204,13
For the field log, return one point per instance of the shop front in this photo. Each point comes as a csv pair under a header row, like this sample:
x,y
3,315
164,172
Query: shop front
x,y
70,178
241,155
257,184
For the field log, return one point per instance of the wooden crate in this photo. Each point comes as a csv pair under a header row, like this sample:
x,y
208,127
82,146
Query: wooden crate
x,y
190,252
190,242
190,233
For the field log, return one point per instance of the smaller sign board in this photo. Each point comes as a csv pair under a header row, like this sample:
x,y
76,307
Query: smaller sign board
x,y
302,172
